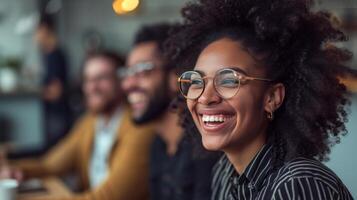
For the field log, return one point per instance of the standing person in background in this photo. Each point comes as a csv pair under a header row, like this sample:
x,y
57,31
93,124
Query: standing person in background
x,y
107,151
150,84
57,115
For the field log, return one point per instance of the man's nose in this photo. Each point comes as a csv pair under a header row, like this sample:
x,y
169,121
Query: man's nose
x,y
129,82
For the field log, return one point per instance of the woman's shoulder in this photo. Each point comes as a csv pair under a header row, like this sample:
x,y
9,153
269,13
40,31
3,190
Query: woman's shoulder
x,y
306,167
309,175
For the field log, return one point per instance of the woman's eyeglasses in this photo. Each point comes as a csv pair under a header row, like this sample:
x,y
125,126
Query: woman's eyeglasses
x,y
226,83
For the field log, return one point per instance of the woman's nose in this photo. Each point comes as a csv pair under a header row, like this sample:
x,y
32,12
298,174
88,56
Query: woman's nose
x,y
209,95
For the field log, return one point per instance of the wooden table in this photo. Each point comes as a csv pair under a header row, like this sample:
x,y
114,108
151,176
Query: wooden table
x,y
55,188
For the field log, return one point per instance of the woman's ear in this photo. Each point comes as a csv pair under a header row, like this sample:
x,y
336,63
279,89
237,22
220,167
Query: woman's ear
x,y
274,98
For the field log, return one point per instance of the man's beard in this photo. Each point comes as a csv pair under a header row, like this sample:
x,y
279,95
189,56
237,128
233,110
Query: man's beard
x,y
158,104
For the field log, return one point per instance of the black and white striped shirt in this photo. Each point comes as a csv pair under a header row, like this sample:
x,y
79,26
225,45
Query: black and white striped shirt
x,y
300,178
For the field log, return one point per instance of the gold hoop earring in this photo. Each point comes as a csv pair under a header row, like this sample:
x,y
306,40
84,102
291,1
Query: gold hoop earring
x,y
270,116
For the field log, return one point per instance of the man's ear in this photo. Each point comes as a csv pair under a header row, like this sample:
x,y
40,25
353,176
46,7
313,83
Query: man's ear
x,y
173,82
274,98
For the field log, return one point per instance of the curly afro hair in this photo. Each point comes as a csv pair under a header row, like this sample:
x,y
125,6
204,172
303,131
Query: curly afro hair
x,y
298,50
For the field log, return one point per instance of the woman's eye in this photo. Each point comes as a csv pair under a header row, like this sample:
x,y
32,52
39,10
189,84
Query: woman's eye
x,y
197,83
229,82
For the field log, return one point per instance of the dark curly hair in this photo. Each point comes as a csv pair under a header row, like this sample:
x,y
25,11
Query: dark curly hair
x,y
296,46
158,33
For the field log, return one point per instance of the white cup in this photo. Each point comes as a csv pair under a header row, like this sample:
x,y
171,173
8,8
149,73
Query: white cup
x,y
8,189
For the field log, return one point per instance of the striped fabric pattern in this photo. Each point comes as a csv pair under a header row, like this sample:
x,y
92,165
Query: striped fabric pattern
x,y
300,178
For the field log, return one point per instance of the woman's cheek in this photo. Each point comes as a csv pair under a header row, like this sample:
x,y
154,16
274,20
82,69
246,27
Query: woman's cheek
x,y
190,106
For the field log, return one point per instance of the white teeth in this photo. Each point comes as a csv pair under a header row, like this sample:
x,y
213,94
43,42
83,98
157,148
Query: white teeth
x,y
213,118
136,97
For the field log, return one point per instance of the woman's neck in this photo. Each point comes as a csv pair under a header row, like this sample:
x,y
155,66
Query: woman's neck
x,y
241,157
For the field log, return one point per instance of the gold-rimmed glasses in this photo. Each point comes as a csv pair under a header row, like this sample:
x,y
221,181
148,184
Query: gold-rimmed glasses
x,y
226,83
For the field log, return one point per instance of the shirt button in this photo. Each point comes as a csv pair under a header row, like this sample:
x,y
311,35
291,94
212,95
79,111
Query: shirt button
x,y
251,186
234,181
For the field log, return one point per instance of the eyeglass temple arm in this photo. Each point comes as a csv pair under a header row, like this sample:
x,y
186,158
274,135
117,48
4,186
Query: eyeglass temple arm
x,y
246,77
185,81
257,79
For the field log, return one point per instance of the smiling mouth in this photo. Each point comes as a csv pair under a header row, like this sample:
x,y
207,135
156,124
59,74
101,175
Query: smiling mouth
x,y
215,122
137,100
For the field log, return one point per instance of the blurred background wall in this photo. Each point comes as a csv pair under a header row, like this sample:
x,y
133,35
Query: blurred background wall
x,y
83,19
20,112
82,22
12,41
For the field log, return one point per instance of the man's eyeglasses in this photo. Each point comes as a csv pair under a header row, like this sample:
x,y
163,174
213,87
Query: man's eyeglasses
x,y
226,83
136,69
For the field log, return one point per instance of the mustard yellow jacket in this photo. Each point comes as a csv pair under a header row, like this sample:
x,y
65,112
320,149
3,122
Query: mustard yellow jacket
x,y
128,165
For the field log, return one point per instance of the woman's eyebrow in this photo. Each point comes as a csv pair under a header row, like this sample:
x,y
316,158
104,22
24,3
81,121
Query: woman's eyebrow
x,y
239,70
200,72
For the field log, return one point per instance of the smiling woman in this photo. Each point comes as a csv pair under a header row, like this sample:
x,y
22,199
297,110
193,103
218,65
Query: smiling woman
x,y
265,94
238,104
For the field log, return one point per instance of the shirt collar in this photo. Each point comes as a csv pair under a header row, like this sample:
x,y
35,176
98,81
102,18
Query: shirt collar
x,y
257,169
113,122
260,166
